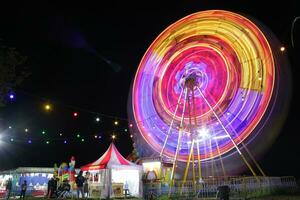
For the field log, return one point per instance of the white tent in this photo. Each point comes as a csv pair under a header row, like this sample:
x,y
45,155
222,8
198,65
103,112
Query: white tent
x,y
112,174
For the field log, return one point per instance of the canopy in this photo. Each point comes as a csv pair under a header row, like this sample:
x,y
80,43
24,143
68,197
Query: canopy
x,y
110,159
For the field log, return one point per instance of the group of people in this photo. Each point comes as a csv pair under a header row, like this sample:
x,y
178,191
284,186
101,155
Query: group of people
x,y
55,191
9,189
82,185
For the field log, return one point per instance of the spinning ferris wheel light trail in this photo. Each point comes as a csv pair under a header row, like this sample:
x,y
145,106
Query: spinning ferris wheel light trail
x,y
210,80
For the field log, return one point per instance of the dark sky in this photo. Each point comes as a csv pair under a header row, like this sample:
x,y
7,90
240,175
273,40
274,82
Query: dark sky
x,y
67,45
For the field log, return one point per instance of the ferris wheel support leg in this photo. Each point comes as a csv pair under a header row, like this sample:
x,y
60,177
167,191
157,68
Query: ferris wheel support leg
x,y
194,174
221,123
199,161
187,166
221,160
253,159
177,148
212,162
170,127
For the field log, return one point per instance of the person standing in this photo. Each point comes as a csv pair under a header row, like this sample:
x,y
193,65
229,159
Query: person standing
x,y
23,190
50,188
8,188
79,183
86,185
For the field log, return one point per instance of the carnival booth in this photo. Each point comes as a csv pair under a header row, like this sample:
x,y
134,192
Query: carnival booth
x,y
36,177
114,176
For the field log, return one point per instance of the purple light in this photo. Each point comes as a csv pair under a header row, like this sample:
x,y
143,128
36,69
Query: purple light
x,y
11,96
65,142
29,141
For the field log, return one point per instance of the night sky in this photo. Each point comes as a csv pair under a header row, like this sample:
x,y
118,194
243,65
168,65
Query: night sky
x,y
83,58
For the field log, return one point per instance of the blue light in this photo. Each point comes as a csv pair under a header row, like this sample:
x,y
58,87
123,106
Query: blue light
x,y
29,141
11,96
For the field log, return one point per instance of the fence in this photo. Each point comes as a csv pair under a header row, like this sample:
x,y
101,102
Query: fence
x,y
240,187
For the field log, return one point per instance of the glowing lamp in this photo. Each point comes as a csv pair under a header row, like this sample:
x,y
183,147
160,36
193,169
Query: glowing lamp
x,y
282,49
47,107
75,114
11,96
116,123
113,137
97,119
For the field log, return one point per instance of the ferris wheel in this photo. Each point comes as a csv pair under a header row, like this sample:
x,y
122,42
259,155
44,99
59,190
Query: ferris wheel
x,y
203,87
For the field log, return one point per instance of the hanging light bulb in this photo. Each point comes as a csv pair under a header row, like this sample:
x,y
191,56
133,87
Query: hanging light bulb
x,y
47,107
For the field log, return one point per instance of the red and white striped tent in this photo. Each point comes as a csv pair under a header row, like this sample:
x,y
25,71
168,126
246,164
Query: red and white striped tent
x,y
111,158
112,168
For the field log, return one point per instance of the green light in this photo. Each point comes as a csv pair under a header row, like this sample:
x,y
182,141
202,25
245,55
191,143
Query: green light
x,y
43,132
82,140
47,142
78,136
125,129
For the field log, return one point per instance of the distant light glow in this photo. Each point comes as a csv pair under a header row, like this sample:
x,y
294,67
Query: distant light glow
x,y
116,123
11,139
75,114
97,119
29,141
282,49
95,136
11,96
125,129
130,125
26,130
78,135
47,107
43,132
65,141
47,142
113,137
82,140
60,134
203,133
151,166
10,127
